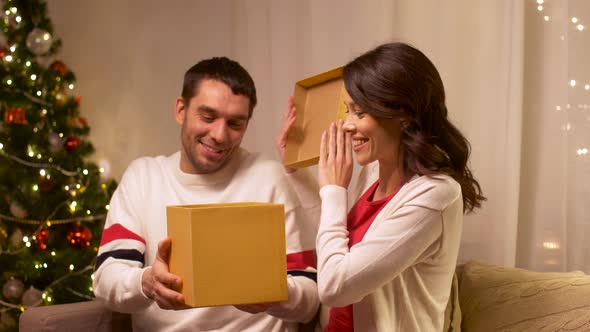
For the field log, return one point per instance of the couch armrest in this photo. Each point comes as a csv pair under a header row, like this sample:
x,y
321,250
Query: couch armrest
x,y
501,298
82,316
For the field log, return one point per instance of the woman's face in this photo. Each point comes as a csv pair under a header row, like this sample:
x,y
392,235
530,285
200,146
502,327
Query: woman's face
x,y
372,138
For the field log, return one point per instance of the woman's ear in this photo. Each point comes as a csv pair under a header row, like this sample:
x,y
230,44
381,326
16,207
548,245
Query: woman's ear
x,y
404,124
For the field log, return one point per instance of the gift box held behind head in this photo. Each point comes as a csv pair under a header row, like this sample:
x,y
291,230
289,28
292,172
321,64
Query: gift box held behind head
x,y
319,101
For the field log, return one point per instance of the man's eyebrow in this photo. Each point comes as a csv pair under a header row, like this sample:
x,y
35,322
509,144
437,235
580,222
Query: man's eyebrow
x,y
240,117
207,109
213,111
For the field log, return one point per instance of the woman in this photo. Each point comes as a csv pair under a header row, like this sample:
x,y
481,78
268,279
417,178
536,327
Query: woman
x,y
388,263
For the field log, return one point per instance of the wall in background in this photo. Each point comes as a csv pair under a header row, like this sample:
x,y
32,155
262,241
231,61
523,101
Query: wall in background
x,y
130,56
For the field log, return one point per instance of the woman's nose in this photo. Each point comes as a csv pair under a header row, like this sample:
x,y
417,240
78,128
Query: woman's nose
x,y
349,126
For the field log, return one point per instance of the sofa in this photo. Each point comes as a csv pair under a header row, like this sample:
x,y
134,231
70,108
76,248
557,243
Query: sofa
x,y
495,298
484,298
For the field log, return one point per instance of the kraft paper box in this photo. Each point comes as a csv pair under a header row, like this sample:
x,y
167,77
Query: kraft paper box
x,y
319,101
229,254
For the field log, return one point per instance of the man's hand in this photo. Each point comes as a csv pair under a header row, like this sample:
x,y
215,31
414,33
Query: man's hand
x,y
281,139
256,307
159,284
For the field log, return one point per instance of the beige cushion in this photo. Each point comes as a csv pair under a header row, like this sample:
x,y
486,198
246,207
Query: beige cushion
x,y
497,298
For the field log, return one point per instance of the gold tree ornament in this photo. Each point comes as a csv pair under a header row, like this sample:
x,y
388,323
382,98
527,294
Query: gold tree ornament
x,y
3,233
61,97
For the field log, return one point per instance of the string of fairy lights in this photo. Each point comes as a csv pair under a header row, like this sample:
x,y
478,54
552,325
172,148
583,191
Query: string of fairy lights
x,y
42,96
70,188
45,294
576,24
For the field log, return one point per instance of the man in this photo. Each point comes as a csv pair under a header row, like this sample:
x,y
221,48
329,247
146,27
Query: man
x,y
132,275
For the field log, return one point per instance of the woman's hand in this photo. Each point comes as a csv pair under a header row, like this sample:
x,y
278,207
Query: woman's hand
x,y
335,165
281,139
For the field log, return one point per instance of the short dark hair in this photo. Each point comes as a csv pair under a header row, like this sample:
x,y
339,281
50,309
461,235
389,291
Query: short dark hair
x,y
397,81
224,70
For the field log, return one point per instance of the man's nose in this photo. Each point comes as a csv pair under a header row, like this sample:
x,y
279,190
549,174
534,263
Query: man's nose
x,y
218,132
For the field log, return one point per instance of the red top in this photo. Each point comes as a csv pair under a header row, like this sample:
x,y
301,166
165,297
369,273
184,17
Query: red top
x,y
360,218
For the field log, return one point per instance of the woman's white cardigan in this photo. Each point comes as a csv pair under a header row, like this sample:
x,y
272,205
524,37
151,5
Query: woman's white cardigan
x,y
399,276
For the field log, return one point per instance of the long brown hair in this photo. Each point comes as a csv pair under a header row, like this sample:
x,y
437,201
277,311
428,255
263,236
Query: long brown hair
x,y
397,81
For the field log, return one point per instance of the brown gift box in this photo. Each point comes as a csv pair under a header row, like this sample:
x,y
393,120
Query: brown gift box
x,y
319,101
228,254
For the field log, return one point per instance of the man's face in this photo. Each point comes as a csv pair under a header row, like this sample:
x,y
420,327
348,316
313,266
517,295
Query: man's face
x,y
213,125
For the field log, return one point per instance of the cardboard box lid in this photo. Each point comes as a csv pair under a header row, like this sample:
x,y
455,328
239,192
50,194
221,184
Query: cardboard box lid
x,y
227,254
319,100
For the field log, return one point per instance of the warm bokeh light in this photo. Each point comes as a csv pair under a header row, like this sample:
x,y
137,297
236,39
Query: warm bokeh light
x,y
551,245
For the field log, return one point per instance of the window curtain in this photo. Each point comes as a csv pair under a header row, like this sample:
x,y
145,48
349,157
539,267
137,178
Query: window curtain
x,y
554,213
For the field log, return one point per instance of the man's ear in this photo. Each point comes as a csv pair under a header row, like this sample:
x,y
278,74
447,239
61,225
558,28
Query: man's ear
x,y
180,109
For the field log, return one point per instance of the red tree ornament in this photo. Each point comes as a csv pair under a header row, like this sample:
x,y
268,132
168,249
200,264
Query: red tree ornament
x,y
42,238
79,237
78,122
59,67
71,143
46,183
15,115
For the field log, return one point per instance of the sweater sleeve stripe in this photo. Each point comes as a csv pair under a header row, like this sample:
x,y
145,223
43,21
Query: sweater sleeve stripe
x,y
301,260
308,274
126,254
122,244
117,232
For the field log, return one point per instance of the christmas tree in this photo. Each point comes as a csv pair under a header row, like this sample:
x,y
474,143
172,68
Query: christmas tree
x,y
53,201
